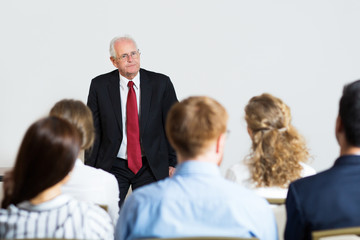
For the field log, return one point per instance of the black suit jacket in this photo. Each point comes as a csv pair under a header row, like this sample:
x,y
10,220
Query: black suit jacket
x,y
330,199
157,96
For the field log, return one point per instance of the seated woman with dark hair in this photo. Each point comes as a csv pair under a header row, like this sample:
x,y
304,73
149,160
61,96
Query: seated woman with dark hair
x,y
278,152
35,207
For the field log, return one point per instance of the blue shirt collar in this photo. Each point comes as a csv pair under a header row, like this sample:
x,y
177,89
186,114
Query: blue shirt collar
x,y
197,167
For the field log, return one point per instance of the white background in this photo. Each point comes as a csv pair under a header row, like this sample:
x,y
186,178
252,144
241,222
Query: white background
x,y
301,51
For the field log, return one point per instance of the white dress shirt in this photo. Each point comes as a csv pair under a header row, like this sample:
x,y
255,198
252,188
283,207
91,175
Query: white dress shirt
x,y
123,100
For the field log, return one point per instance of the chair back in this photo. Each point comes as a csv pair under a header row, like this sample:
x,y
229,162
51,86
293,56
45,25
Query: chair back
x,y
201,238
276,201
103,206
278,207
344,233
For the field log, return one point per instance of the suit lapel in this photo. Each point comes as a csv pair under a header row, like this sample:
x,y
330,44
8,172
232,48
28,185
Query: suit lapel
x,y
114,93
145,94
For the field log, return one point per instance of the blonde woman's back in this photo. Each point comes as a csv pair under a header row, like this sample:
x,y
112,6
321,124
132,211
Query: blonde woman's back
x,y
240,174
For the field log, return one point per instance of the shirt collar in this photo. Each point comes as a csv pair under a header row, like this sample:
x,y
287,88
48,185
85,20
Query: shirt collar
x,y
124,81
58,201
347,159
198,168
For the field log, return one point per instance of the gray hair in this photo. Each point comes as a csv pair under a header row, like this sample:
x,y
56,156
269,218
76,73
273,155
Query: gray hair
x,y
119,38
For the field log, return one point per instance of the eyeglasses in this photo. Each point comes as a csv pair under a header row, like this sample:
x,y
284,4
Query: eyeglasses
x,y
133,55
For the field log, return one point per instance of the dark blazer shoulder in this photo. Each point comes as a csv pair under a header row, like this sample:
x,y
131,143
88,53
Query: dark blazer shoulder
x,y
309,182
153,75
321,181
106,76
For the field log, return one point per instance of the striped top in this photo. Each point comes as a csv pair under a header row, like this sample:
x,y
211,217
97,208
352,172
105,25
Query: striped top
x,y
61,217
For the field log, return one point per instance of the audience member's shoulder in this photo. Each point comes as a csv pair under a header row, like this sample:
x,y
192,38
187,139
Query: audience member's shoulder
x,y
9,212
155,190
94,215
5,212
96,173
311,181
241,193
86,207
142,197
249,199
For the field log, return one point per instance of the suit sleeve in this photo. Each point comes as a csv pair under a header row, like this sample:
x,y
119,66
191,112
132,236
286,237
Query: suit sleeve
x,y
168,100
92,102
295,223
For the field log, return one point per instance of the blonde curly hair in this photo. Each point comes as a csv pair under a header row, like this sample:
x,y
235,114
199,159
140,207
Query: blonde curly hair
x,y
277,147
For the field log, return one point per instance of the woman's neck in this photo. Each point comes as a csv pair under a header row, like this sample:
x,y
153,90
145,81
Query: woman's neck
x,y
48,194
81,155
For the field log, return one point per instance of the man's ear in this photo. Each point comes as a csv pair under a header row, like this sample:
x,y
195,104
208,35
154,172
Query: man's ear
x,y
339,129
113,61
220,146
220,143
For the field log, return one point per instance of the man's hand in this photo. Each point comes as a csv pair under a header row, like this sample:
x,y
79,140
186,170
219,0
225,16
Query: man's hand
x,y
171,171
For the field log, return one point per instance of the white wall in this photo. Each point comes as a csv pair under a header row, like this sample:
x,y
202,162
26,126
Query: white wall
x,y
301,51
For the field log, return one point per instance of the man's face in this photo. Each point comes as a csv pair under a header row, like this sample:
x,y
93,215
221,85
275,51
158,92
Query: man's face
x,y
127,58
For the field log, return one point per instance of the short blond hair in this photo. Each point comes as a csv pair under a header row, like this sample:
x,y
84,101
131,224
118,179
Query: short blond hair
x,y
78,114
194,123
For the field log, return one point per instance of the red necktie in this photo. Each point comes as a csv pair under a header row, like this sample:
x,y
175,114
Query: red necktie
x,y
132,131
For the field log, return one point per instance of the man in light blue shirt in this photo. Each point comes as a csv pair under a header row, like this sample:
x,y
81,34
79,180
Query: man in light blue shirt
x,y
197,200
